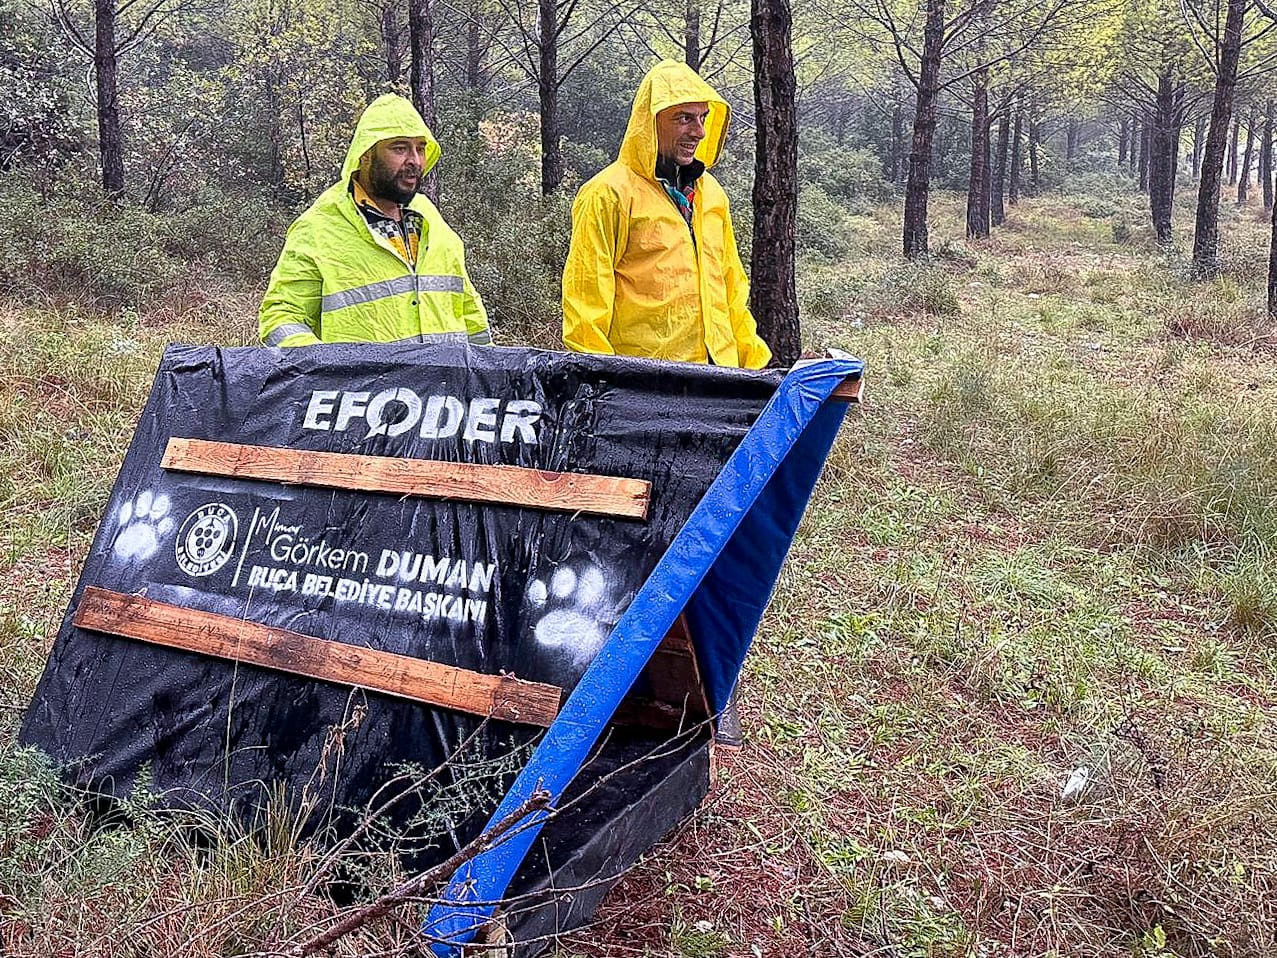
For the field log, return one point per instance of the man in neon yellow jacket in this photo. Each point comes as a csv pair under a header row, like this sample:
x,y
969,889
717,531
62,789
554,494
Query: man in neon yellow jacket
x,y
372,260
653,268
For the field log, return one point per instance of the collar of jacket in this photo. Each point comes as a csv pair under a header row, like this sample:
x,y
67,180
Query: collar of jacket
x,y
366,204
679,177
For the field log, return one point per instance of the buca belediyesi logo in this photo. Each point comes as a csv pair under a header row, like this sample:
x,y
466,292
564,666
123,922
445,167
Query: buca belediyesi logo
x,y
206,540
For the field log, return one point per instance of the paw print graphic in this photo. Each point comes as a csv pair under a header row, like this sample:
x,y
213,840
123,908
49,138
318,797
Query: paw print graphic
x,y
573,610
142,521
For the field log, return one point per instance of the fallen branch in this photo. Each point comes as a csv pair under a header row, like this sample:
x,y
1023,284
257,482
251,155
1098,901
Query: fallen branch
x,y
413,888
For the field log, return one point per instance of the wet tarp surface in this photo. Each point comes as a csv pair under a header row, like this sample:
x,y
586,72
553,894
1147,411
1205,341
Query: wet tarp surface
x,y
720,569
490,588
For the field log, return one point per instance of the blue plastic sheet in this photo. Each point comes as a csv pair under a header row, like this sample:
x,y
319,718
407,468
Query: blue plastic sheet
x,y
721,567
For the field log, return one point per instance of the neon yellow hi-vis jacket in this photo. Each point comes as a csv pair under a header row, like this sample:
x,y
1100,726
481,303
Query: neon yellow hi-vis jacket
x,y
634,282
336,282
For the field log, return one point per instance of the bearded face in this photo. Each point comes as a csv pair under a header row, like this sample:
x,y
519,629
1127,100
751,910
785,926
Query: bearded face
x,y
395,169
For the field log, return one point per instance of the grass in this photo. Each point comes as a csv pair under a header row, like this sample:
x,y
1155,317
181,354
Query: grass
x,y
1041,545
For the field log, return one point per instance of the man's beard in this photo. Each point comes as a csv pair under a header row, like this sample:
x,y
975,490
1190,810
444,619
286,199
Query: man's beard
x,y
384,184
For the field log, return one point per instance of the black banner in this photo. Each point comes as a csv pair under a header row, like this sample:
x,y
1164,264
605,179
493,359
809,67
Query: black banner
x,y
486,587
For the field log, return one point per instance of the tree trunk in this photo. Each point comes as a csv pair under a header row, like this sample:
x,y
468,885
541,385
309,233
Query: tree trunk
x,y
1137,132
1013,193
1199,139
421,76
110,139
1266,155
548,94
390,42
1243,175
773,297
1070,139
1123,131
1146,151
1206,226
924,128
275,134
1272,267
1163,145
1035,141
1230,165
997,184
692,34
475,79
978,182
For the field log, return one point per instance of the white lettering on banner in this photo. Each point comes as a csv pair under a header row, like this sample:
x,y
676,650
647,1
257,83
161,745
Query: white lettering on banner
x,y
300,565
427,605
450,573
277,580
482,419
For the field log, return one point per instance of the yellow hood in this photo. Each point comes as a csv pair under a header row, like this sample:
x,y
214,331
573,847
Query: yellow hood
x,y
387,117
668,84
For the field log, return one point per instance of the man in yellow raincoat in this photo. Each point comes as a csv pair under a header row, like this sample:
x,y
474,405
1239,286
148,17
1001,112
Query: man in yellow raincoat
x,y
653,268
372,260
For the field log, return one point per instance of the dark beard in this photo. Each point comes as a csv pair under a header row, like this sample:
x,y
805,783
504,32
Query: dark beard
x,y
384,185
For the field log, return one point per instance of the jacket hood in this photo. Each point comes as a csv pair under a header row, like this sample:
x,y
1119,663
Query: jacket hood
x,y
668,84
387,117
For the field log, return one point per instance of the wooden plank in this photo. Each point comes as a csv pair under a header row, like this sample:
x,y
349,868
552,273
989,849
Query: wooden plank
x,y
471,482
847,391
499,696
675,675
640,712
677,698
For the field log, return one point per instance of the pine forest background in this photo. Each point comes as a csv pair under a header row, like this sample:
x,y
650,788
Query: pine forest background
x,y
1015,695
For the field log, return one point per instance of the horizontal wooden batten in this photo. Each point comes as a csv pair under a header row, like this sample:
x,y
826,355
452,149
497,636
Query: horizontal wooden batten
x,y
847,391
428,478
137,617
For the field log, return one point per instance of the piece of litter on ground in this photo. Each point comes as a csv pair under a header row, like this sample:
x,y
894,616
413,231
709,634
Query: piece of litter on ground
x,y
1076,783
894,857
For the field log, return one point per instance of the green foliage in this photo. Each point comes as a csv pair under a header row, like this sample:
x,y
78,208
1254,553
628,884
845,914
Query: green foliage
x,y
1248,589
38,123
516,239
914,288
825,228
829,292
70,242
853,178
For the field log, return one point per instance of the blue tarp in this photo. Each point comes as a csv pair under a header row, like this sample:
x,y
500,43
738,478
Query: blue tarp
x,y
720,569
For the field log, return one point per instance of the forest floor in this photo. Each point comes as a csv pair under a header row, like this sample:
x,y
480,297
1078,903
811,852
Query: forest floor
x,y
1041,545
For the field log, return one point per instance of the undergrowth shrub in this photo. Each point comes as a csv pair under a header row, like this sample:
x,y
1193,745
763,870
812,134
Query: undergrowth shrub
x,y
853,178
913,288
516,239
1249,591
828,293
824,227
68,241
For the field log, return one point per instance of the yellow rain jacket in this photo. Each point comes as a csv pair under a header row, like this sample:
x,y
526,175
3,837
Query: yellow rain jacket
x,y
337,282
634,282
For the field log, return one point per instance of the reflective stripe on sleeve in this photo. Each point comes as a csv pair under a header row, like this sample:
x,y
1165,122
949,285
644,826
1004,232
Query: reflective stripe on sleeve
x,y
282,332
393,287
436,338
482,338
